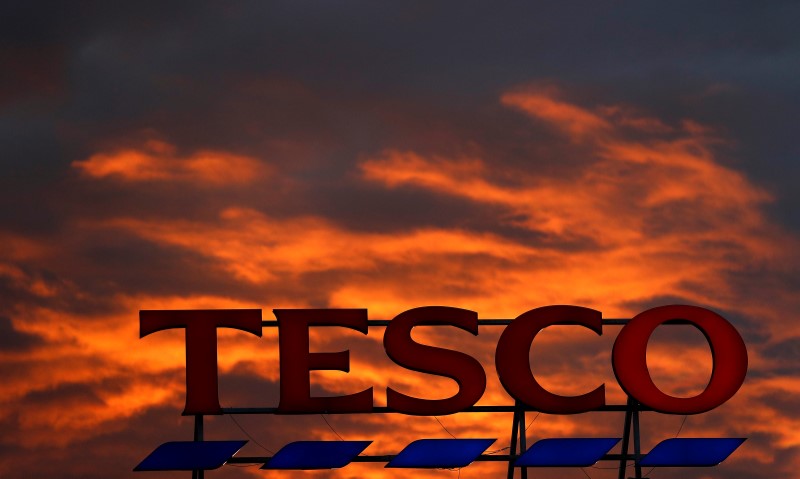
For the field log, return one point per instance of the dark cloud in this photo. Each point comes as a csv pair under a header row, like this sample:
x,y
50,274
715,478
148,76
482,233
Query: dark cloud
x,y
784,404
788,350
354,79
315,89
63,395
12,339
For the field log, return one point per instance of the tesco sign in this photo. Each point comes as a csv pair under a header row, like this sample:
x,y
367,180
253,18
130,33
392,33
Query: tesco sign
x,y
511,358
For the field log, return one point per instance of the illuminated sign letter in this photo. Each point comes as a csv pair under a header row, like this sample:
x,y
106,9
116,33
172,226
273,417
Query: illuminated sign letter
x,y
462,368
297,362
202,395
728,351
513,366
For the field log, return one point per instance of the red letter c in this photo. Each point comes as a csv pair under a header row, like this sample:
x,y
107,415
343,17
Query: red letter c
x,y
512,361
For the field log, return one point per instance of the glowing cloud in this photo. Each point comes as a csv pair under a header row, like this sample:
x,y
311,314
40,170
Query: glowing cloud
x,y
653,215
652,211
158,161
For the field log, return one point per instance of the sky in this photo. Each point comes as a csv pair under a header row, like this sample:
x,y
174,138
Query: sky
x,y
389,155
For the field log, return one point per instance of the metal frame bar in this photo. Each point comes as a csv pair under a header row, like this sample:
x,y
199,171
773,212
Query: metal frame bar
x,y
198,437
389,457
481,322
631,419
386,410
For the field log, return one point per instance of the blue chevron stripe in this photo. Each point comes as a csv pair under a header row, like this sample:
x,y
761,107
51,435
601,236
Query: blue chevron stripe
x,y
566,452
190,455
440,453
691,452
316,454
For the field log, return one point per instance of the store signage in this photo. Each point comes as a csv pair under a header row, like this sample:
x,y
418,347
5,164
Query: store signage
x,y
511,358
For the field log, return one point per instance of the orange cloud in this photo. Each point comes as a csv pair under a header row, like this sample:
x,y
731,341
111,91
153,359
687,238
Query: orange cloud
x,y
657,216
257,248
576,121
158,161
118,374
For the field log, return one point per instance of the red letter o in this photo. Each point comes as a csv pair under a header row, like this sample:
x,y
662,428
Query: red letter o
x,y
728,351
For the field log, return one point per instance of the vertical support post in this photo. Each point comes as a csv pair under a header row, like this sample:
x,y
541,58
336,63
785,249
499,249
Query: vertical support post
x,y
631,419
198,436
517,437
636,442
626,437
523,446
513,448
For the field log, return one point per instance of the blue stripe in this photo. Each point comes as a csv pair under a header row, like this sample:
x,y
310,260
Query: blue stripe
x,y
190,455
440,453
572,452
316,454
691,452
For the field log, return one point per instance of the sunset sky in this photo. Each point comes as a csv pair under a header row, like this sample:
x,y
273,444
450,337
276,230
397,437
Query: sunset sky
x,y
389,155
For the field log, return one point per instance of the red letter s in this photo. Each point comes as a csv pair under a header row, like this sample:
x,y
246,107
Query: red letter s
x,y
462,368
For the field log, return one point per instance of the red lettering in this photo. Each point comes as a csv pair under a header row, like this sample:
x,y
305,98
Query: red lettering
x,y
297,362
513,349
629,358
202,389
460,367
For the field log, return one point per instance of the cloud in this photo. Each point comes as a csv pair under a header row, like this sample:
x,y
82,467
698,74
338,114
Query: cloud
x,y
14,340
659,214
258,248
651,211
159,161
602,193
576,121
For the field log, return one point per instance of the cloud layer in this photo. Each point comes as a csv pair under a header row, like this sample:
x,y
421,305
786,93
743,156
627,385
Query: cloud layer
x,y
276,156
651,213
